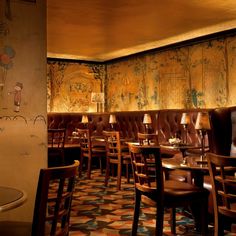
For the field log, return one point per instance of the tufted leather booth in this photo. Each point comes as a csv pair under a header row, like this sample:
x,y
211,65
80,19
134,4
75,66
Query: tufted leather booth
x,y
164,122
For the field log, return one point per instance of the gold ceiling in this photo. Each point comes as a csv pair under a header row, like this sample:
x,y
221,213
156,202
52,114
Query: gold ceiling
x,y
100,30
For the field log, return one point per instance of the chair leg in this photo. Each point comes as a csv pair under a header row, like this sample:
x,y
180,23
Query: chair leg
x,y
100,163
81,165
107,174
173,220
89,167
118,176
159,220
200,214
136,212
127,173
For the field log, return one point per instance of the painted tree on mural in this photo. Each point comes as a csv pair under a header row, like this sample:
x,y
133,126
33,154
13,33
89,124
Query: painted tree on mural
x,y
184,56
140,68
56,72
98,72
153,69
223,92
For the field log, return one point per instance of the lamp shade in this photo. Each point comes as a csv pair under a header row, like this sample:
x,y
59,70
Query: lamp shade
x,y
203,121
97,97
112,119
147,119
84,119
185,119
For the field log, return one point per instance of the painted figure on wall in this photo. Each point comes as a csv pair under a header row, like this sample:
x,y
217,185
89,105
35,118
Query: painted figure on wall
x,y
17,96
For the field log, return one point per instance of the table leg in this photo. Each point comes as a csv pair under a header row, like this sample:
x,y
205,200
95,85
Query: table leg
x,y
198,178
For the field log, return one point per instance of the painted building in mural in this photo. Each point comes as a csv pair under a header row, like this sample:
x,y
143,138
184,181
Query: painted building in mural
x,y
201,75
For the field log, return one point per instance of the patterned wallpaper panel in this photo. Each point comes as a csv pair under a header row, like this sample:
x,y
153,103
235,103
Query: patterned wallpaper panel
x,y
70,86
201,75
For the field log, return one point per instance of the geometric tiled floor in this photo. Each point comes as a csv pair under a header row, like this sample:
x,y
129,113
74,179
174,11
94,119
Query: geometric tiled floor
x,y
103,211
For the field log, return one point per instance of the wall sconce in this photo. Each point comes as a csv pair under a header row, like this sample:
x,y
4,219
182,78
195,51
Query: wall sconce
x,y
85,121
202,125
112,121
147,121
185,121
99,99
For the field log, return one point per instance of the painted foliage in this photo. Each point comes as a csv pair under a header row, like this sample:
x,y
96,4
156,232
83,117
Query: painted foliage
x,y
70,86
200,75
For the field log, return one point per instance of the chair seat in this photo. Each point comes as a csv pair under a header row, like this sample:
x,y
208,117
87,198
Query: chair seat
x,y
15,228
231,212
177,189
99,150
182,192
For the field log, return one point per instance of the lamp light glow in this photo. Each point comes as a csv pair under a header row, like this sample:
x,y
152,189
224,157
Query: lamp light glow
x,y
84,119
202,125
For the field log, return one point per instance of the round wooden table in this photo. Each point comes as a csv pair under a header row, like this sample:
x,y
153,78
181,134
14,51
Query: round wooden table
x,y
11,198
181,147
198,169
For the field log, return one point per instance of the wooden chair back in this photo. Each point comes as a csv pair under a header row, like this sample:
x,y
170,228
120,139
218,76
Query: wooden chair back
x,y
56,138
113,145
53,200
117,153
147,169
148,139
89,150
223,177
56,143
84,137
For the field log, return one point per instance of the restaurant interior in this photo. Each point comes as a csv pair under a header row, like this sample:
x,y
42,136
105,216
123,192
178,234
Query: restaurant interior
x,y
133,101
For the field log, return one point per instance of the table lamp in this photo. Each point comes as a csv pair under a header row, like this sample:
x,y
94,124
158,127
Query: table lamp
x,y
202,125
185,121
84,121
112,121
147,120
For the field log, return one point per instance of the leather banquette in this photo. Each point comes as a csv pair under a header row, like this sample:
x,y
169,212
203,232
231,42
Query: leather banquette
x,y
164,122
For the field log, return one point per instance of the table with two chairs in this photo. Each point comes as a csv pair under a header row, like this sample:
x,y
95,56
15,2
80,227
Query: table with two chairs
x,y
222,171
152,189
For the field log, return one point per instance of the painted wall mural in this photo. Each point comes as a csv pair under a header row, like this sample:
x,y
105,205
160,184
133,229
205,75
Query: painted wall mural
x,y
201,75
70,86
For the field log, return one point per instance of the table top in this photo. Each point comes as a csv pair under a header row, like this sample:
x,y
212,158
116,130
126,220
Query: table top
x,y
152,145
179,146
193,163
11,198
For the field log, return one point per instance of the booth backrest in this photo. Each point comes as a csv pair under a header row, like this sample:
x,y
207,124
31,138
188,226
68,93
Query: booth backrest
x,y
164,122
222,137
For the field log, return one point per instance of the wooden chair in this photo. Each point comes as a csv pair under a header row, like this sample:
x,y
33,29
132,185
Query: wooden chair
x,y
152,139
56,143
151,189
223,179
148,139
117,154
89,151
52,204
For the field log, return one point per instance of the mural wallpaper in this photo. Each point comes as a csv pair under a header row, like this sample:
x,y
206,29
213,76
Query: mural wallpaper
x,y
201,75
70,86
197,76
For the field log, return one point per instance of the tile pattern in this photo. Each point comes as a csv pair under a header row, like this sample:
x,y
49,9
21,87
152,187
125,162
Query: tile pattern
x,y
99,210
